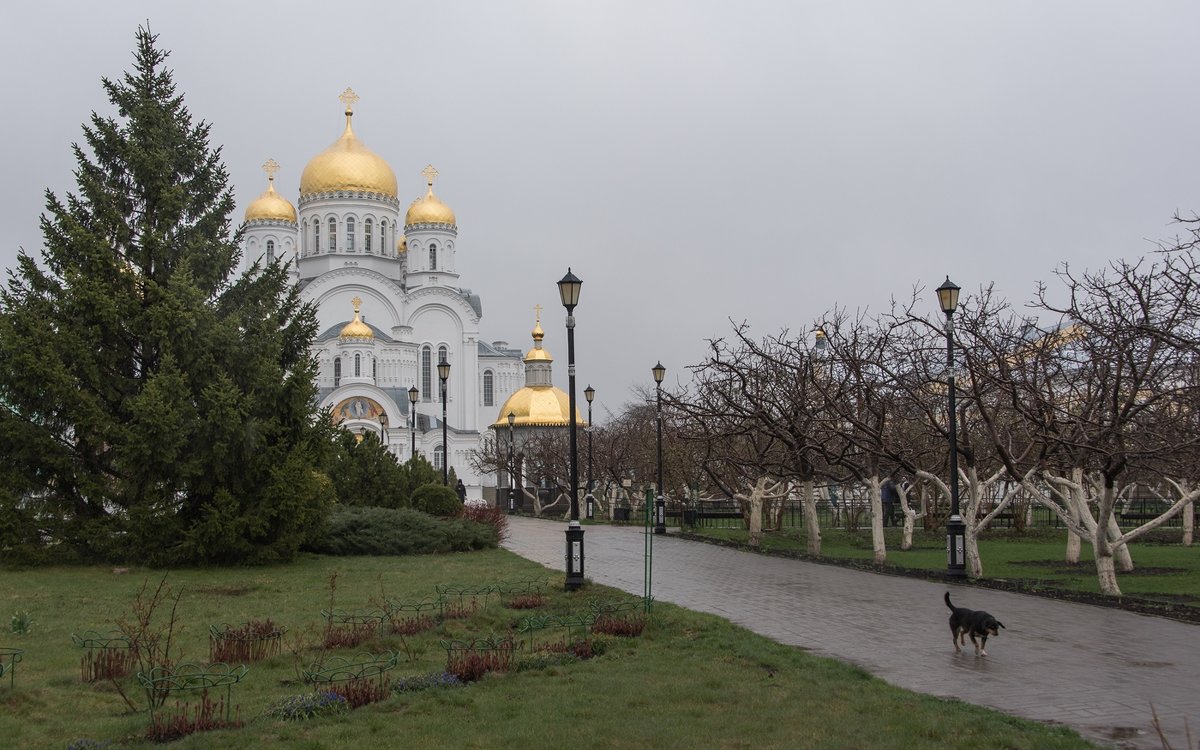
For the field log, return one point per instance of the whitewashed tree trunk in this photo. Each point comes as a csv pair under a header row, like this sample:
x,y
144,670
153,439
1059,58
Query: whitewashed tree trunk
x,y
1189,523
1073,500
1106,571
1121,551
812,522
910,517
877,540
1189,517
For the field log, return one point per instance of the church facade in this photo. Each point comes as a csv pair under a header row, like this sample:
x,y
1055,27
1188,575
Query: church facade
x,y
385,282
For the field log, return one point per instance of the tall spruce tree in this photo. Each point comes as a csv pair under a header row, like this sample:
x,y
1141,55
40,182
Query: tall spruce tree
x,y
154,405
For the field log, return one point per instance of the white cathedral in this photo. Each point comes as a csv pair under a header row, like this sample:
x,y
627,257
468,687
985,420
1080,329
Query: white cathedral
x,y
390,308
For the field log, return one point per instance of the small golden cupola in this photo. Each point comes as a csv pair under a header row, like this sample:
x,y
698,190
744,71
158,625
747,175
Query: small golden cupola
x,y
430,209
271,206
539,403
356,330
537,353
348,165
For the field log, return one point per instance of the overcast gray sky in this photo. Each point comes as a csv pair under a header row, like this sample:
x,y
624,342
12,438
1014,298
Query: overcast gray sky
x,y
691,161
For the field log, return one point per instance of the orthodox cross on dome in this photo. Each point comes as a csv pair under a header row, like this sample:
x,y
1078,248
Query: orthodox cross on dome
x,y
357,302
270,167
537,309
429,173
348,98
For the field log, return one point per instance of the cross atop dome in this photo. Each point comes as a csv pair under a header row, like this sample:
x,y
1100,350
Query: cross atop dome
x,y
357,302
270,166
348,97
429,173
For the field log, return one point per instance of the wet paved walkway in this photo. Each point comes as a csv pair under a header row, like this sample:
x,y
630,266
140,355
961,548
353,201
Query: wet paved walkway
x,y
1094,669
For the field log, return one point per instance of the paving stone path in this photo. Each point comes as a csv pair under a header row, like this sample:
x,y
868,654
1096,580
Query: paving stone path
x,y
1095,669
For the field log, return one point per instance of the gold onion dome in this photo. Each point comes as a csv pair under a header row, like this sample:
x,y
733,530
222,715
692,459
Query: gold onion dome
x,y
537,353
348,165
430,209
356,330
402,245
538,406
271,205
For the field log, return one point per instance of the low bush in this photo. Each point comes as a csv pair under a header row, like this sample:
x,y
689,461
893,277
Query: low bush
x,y
308,706
204,716
386,531
494,517
437,500
426,682
630,626
361,691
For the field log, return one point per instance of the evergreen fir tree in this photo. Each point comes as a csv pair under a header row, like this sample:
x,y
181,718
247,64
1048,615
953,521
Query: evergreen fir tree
x,y
153,405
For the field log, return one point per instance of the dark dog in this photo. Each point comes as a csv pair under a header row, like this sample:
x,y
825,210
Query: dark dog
x,y
971,622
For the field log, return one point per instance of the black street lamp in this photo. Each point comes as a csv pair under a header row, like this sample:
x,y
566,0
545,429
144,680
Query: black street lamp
x,y
444,375
956,530
590,393
568,292
383,424
660,504
413,395
512,418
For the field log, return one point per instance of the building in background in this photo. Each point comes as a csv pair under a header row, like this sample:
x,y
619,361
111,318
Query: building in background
x,y
388,297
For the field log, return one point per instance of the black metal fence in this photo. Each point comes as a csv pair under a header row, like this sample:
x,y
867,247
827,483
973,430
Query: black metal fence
x,y
727,514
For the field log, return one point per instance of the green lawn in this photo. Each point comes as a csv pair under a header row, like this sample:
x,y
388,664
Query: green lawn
x,y
1163,570
691,680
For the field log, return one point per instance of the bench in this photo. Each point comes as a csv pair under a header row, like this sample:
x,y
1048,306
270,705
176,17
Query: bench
x,y
1137,516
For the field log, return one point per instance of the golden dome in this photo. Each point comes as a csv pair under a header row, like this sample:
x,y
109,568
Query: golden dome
x,y
537,353
356,330
538,406
348,165
271,205
430,209
402,245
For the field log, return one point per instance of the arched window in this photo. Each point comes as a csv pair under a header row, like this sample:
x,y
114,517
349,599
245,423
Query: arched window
x,y
332,235
350,234
383,237
443,354
367,225
337,371
426,373
439,456
358,365
270,251
489,388
316,246
432,256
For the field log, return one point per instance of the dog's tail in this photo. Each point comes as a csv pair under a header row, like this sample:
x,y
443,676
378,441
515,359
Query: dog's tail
x,y
948,604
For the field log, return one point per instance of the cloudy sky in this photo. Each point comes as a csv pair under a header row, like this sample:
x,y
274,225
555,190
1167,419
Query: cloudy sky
x,y
691,161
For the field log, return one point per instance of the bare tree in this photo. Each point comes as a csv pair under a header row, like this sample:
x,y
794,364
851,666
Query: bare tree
x,y
1101,385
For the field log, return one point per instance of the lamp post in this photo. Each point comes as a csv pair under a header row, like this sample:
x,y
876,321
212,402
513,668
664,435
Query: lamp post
x,y
383,424
590,393
660,504
512,418
444,375
568,292
956,530
413,395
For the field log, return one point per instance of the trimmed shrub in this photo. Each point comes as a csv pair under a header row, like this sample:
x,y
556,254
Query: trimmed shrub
x,y
437,500
400,531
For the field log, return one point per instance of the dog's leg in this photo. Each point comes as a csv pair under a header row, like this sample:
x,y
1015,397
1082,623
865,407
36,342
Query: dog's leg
x,y
983,645
974,643
954,639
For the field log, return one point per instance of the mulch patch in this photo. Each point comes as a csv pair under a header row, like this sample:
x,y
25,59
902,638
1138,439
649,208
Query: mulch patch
x,y
1173,611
